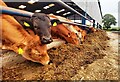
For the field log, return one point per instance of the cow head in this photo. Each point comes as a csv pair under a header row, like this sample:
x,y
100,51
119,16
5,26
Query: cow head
x,y
36,53
32,51
65,33
42,24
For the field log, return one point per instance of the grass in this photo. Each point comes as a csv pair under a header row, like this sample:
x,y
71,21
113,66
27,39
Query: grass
x,y
113,29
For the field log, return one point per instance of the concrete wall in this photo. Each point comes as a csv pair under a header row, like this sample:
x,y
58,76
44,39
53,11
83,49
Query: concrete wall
x,y
91,7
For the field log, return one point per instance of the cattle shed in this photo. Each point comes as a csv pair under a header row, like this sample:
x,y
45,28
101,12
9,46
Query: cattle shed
x,y
86,12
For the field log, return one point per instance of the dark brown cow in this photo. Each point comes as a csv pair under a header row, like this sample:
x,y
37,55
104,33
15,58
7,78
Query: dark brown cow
x,y
40,24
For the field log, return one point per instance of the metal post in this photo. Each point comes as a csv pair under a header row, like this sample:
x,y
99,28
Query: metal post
x,y
84,20
93,23
97,25
74,17
100,26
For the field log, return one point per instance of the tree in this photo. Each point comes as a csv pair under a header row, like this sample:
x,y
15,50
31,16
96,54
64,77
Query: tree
x,y
108,20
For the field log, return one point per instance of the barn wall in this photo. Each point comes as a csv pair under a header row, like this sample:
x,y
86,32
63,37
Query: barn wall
x,y
91,7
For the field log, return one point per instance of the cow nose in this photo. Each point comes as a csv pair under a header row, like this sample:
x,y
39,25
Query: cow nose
x,y
46,40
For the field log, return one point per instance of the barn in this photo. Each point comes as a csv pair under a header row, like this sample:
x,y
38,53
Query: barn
x,y
85,12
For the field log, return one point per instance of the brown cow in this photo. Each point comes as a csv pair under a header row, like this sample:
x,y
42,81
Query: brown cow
x,y
40,24
79,31
80,34
64,32
14,37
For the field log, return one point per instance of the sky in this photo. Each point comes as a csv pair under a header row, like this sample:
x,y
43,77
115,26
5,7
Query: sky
x,y
110,7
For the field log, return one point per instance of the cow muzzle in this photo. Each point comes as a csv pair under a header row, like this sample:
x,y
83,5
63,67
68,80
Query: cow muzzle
x,y
46,40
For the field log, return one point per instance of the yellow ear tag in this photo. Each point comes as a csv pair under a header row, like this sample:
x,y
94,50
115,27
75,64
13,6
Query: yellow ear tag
x,y
26,24
54,24
20,51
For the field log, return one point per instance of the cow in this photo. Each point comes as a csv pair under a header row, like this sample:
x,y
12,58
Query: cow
x,y
71,28
16,38
65,33
40,24
80,31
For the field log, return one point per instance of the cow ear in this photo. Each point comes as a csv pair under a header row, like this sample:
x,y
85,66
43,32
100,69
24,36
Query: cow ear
x,y
24,21
26,24
54,24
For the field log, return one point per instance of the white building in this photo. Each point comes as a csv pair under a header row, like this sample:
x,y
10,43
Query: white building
x,y
92,8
